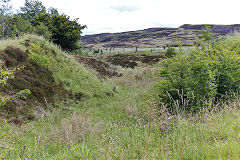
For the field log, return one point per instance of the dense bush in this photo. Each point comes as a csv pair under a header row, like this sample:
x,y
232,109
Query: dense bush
x,y
209,73
14,26
170,52
57,27
65,32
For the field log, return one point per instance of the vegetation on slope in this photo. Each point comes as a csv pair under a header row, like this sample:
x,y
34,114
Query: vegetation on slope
x,y
32,77
65,68
48,73
122,127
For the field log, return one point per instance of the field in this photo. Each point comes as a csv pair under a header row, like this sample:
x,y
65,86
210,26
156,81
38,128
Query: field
x,y
117,117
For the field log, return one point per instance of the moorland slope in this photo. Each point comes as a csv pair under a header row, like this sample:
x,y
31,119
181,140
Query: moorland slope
x,y
155,37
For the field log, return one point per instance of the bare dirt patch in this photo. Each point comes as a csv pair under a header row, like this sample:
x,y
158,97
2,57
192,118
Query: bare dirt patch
x,y
103,69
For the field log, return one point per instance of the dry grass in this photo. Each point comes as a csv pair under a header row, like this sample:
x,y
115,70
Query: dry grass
x,y
17,42
74,130
137,77
132,110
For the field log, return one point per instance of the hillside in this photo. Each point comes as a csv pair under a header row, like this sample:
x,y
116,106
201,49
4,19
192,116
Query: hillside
x,y
154,37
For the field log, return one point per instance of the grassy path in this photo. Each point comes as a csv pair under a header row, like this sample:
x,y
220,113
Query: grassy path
x,y
117,127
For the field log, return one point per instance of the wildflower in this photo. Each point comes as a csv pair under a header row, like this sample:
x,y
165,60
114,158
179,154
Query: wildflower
x,y
161,129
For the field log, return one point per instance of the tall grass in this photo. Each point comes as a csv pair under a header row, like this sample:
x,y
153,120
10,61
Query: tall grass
x,y
115,128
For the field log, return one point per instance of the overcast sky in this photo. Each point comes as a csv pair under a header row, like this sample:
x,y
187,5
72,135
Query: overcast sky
x,y
103,16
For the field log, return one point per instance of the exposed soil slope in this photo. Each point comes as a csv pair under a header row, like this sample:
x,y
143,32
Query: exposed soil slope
x,y
103,69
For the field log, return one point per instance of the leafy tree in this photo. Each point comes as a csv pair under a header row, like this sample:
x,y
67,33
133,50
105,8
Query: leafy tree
x,y
65,32
53,11
43,30
4,23
33,18
5,7
32,8
13,26
22,25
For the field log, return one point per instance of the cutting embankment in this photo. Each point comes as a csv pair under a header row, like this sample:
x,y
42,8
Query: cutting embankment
x,y
51,75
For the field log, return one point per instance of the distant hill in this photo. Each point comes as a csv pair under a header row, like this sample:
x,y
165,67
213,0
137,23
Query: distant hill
x,y
154,37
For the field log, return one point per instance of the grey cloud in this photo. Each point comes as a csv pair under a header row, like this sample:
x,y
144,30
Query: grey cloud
x,y
125,8
106,28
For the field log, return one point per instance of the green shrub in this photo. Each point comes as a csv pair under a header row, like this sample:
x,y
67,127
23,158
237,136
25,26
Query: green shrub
x,y
42,30
170,52
64,31
35,54
208,74
4,76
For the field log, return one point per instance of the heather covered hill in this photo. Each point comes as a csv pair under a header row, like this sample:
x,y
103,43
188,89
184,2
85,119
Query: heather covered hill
x,y
51,75
154,37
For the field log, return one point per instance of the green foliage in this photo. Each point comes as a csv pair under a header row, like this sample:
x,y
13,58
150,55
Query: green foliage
x,y
53,11
207,33
43,30
59,28
4,76
32,8
65,32
5,134
14,32
2,29
5,7
33,18
65,69
4,26
35,54
22,26
79,52
200,78
170,52
14,26
110,127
